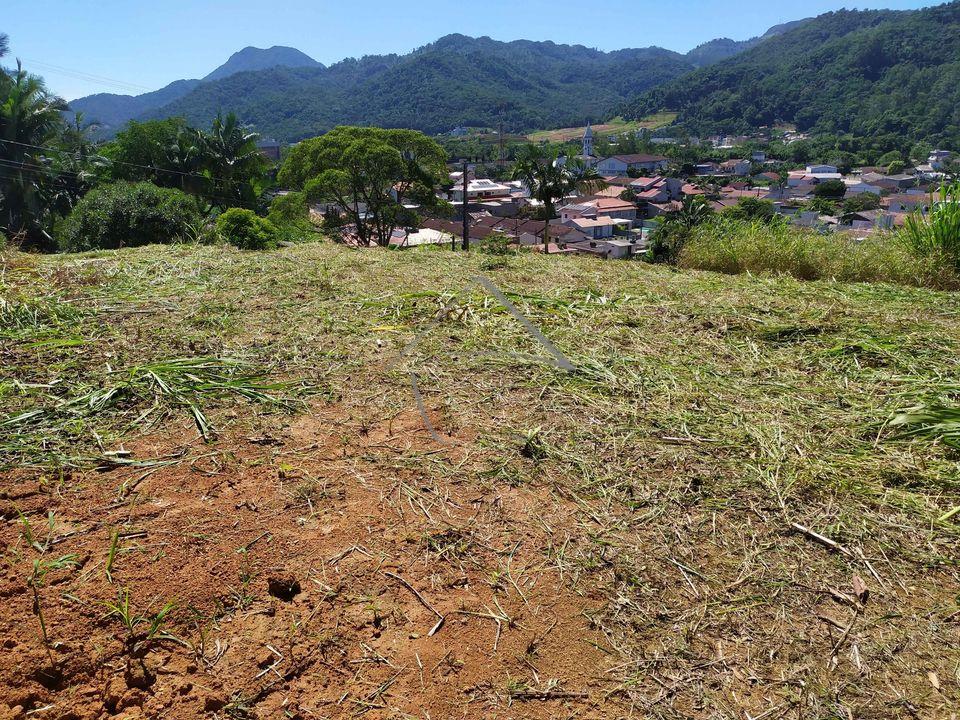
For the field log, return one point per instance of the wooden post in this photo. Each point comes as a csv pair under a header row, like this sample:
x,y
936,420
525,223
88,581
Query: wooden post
x,y
466,218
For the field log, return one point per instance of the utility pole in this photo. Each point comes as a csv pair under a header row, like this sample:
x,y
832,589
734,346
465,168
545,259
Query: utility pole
x,y
502,157
466,218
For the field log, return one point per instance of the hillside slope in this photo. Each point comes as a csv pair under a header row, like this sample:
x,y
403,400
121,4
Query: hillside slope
x,y
888,75
546,544
456,80
110,111
720,49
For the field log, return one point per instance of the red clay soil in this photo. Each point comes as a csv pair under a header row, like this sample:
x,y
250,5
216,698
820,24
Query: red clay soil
x,y
302,559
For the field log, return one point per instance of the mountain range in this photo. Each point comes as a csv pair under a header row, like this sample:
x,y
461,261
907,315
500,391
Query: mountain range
x,y
887,76
882,76
457,80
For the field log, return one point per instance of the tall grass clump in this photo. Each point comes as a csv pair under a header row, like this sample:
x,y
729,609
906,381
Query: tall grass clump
x,y
937,233
735,246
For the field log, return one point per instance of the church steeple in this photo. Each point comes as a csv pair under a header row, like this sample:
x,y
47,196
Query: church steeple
x,y
588,142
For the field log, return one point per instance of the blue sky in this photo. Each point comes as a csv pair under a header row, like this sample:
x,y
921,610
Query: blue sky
x,y
132,46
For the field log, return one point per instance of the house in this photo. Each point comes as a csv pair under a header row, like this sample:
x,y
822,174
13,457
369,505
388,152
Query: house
x,y
707,168
821,169
623,164
576,211
939,158
615,208
736,167
906,203
270,149
759,156
855,187
868,220
613,248
595,228
480,189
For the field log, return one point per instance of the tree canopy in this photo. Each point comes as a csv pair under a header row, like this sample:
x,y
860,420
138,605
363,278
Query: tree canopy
x,y
887,78
367,174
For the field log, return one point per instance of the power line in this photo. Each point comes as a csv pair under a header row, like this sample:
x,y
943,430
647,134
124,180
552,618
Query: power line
x,y
120,162
100,79
12,165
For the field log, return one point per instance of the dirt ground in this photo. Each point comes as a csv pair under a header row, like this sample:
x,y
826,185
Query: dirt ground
x,y
365,550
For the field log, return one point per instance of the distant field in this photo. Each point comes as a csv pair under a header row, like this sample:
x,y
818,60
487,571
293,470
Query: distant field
x,y
617,125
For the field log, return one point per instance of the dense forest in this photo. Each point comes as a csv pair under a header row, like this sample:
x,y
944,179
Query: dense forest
x,y
887,78
454,81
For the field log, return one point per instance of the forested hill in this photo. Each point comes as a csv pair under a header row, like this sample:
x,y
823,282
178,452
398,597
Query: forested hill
x,y
887,75
454,81
722,48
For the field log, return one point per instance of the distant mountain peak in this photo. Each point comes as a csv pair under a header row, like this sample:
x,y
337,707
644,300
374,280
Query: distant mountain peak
x,y
254,59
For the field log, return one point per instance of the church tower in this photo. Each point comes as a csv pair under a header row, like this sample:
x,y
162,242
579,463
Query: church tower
x,y
588,142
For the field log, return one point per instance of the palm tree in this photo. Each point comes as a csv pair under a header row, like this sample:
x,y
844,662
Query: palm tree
x,y
30,121
550,180
4,44
232,160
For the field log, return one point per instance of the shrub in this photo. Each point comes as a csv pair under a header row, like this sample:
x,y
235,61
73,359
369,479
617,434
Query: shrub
x,y
126,214
733,247
247,230
290,211
496,244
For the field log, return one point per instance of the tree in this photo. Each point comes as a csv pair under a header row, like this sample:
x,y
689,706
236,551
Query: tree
x,y
861,202
247,231
896,167
151,151
366,173
550,181
4,44
230,157
676,227
834,189
30,122
752,209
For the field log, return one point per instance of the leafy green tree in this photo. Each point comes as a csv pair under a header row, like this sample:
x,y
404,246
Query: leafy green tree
x,y
123,214
831,189
367,174
752,209
550,181
861,202
896,167
290,211
823,205
890,157
30,124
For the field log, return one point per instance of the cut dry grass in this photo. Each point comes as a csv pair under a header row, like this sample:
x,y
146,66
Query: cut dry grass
x,y
681,527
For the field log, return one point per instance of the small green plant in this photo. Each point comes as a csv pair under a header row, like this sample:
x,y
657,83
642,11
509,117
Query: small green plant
x,y
246,230
124,612
112,554
40,569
